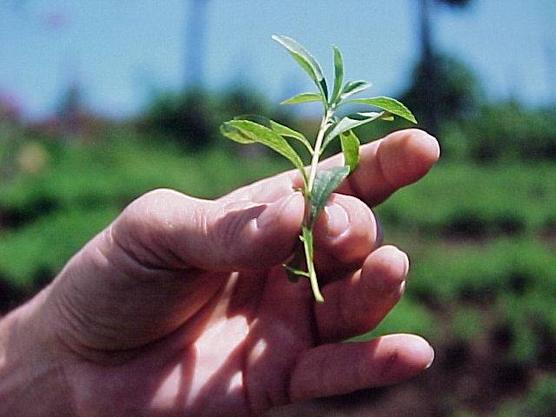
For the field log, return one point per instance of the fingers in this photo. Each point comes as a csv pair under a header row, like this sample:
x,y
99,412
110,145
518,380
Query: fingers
x,y
357,304
166,229
341,368
345,234
386,165
127,286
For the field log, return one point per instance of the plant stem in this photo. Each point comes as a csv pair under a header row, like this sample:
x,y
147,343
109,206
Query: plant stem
x,y
318,144
308,221
308,244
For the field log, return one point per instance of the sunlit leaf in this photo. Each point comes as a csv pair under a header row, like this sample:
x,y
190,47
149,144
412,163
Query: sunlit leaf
x,y
350,148
326,181
303,98
354,87
349,123
305,61
276,127
338,74
388,117
246,131
389,104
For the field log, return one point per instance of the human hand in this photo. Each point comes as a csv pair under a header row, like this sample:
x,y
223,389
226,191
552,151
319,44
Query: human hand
x,y
181,308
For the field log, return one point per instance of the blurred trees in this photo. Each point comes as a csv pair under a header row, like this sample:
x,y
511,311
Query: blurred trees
x,y
191,118
186,118
454,93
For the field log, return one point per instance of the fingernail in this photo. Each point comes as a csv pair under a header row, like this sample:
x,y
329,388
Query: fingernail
x,y
432,358
337,219
272,211
402,287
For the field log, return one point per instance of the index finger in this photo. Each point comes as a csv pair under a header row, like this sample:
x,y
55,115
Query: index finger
x,y
385,165
388,164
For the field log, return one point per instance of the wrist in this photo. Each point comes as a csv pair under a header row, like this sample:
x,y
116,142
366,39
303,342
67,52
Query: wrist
x,y
32,381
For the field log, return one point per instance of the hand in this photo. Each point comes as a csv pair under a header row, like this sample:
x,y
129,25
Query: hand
x,y
181,308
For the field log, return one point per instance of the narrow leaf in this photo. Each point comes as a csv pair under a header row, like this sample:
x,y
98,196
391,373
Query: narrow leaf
x,y
305,61
388,117
350,148
294,266
294,273
389,104
349,123
246,131
303,98
338,74
276,127
285,131
354,87
326,181
235,134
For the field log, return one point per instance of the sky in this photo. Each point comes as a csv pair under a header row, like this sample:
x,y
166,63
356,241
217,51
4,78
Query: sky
x,y
122,52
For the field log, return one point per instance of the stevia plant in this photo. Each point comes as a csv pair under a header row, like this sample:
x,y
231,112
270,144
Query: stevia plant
x,y
318,184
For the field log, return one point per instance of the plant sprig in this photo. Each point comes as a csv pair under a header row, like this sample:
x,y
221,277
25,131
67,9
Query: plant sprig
x,y
318,184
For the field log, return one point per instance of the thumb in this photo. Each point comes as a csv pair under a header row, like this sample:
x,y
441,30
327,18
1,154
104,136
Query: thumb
x,y
167,229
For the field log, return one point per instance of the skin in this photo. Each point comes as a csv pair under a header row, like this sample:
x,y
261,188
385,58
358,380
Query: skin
x,y
181,308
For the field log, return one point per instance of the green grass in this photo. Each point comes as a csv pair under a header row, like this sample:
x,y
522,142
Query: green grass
x,y
39,250
85,186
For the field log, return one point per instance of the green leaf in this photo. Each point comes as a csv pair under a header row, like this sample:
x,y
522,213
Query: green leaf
x,y
338,74
294,274
389,104
388,117
349,123
326,181
303,98
354,87
276,127
305,61
350,148
246,131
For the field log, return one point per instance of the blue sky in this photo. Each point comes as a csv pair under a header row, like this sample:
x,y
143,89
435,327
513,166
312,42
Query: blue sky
x,y
122,51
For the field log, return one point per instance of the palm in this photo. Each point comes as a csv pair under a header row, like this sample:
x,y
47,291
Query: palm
x,y
235,354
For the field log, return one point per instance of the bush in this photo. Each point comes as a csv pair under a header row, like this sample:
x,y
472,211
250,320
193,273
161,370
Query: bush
x,y
504,132
470,201
35,253
538,402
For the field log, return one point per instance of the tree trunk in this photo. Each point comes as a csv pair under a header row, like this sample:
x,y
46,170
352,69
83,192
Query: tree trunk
x,y
430,112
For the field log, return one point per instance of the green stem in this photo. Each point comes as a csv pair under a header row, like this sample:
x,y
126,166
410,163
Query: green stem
x,y
308,244
318,144
308,221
